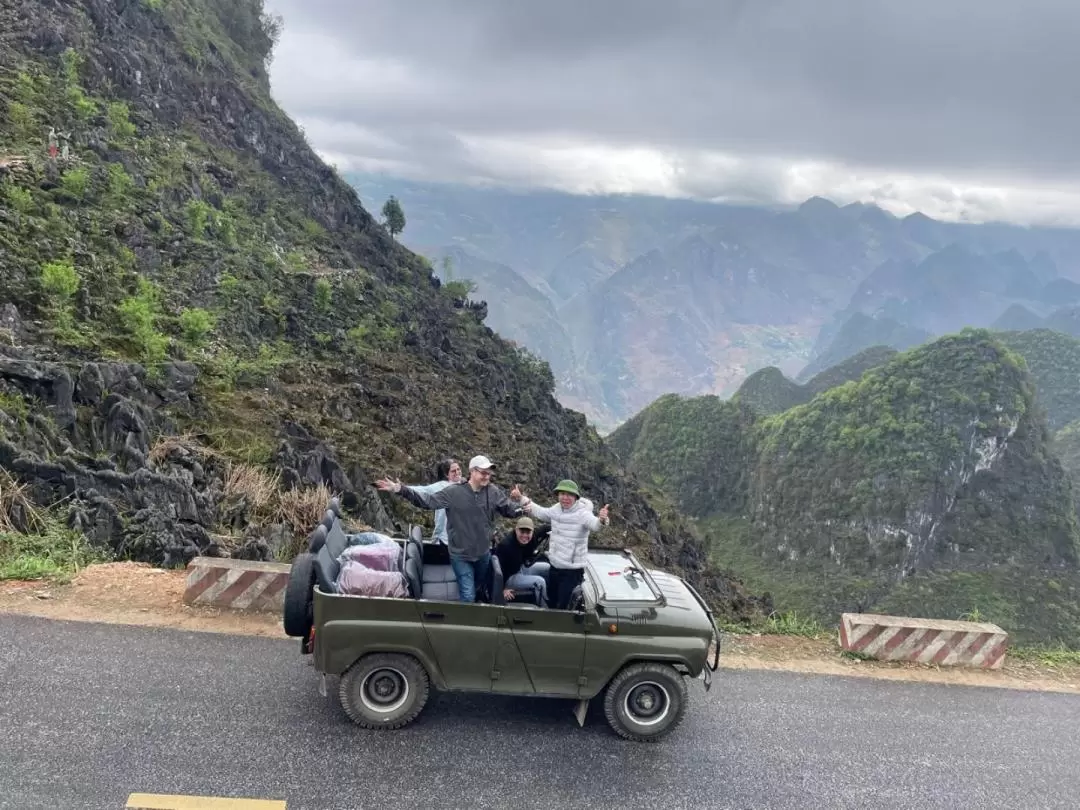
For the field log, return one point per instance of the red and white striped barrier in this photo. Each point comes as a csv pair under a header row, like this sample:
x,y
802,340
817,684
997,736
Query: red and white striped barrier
x,y
939,642
236,584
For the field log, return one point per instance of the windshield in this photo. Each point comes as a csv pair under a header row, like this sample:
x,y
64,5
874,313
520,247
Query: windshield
x,y
617,579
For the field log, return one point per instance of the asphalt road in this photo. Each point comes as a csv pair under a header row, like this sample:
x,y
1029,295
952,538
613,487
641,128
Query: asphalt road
x,y
92,713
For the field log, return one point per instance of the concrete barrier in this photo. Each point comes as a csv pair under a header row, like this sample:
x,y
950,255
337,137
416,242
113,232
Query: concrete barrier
x,y
940,642
236,584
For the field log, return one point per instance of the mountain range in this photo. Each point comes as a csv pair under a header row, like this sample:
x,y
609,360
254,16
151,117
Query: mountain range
x,y
642,296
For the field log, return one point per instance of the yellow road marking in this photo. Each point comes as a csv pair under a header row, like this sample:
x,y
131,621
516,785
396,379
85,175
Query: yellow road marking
x,y
155,801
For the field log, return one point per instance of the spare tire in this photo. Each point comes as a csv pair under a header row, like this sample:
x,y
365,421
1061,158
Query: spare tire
x,y
299,596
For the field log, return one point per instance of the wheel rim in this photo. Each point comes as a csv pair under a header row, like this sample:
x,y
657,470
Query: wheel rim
x,y
647,703
384,690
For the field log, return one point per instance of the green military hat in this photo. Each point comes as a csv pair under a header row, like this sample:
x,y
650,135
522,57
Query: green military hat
x,y
566,485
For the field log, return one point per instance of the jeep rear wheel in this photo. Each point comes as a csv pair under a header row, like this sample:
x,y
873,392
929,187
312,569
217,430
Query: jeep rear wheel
x,y
297,612
645,702
384,690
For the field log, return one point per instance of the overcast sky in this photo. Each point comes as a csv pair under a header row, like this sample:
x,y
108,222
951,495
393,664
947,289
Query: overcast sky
x,y
961,109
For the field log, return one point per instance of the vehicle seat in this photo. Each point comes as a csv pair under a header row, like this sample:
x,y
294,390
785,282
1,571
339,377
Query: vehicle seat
x,y
316,539
328,519
413,569
495,587
440,582
327,566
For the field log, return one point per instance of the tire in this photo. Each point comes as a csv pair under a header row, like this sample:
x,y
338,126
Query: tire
x,y
646,701
405,681
298,614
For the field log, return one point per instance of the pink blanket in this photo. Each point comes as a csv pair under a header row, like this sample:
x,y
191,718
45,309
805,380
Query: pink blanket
x,y
358,579
376,556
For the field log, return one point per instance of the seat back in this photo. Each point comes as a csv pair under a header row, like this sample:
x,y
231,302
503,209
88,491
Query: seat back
x,y
328,519
327,566
316,539
497,583
413,570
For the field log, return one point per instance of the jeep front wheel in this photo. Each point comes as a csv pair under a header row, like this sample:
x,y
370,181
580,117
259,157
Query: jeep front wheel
x,y
645,701
384,690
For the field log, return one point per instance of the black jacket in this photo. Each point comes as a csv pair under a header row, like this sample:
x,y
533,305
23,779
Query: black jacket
x,y
513,555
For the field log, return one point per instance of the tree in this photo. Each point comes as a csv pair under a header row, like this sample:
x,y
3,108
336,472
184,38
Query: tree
x,y
394,216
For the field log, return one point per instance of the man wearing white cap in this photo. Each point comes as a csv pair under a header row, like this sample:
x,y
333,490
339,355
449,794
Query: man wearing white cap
x,y
470,507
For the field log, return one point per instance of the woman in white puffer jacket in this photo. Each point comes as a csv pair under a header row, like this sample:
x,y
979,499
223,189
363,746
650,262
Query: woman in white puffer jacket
x,y
572,520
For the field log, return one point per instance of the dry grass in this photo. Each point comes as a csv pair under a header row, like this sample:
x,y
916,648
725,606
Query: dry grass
x,y
184,441
269,503
14,500
260,489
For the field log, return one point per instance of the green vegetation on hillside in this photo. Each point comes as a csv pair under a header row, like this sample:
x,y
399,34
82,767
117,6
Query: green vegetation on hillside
x,y
767,391
1054,361
694,449
928,486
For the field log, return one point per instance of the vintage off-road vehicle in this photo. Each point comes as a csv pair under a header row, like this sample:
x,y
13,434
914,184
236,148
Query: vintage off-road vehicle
x,y
633,634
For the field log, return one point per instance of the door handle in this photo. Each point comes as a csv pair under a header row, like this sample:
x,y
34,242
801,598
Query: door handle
x,y
434,615
523,621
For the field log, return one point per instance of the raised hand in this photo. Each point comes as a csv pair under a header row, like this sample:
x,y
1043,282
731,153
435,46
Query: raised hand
x,y
603,515
388,485
515,493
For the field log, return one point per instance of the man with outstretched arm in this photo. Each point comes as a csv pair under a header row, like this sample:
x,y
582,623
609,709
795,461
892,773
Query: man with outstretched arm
x,y
470,507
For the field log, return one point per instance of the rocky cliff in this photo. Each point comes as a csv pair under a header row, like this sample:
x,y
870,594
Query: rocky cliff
x,y
204,330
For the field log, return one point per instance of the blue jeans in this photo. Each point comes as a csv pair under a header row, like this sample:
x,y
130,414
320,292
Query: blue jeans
x,y
469,573
532,576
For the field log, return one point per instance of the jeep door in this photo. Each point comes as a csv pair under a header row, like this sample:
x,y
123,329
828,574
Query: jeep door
x,y
464,638
552,645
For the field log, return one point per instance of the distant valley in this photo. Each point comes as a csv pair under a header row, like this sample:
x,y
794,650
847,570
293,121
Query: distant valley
x,y
629,298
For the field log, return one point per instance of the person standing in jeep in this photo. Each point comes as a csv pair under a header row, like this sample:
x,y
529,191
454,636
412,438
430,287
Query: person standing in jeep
x,y
572,520
471,507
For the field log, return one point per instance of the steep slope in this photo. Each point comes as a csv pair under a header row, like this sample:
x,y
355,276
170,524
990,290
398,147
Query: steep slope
x,y
769,392
929,485
850,334
188,264
1053,358
696,450
949,289
516,310
1016,318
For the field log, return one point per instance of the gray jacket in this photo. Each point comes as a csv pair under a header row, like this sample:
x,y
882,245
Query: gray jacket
x,y
470,516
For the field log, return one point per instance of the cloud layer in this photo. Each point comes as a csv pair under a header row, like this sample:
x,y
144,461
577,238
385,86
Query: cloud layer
x,y
960,109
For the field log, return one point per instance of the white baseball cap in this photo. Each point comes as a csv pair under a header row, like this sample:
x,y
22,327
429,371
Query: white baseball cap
x,y
480,463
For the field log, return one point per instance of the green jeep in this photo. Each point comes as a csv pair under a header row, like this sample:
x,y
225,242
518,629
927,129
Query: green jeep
x,y
632,633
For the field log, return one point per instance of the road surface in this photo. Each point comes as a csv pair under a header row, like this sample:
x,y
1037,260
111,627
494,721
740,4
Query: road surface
x,y
92,713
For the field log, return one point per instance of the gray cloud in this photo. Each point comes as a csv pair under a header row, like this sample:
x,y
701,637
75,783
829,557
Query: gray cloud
x,y
979,91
